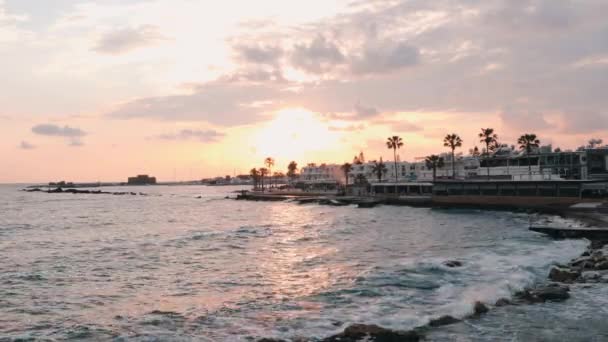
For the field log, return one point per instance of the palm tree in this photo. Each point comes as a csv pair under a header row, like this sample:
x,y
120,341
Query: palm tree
x,y
269,162
527,143
255,175
277,176
263,172
394,143
379,169
292,168
346,168
434,162
488,137
453,141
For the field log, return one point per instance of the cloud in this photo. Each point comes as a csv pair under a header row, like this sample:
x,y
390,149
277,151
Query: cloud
x,y
382,57
523,120
189,134
406,127
128,39
318,56
75,142
365,112
58,131
26,146
222,102
258,54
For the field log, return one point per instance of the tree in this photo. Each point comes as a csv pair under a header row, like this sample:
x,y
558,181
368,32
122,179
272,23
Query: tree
x,y
527,143
593,143
488,137
394,143
263,172
277,176
269,162
379,169
292,169
434,162
255,176
474,152
346,168
453,141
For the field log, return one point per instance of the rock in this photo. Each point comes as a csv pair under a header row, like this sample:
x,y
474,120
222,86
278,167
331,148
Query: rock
x,y
602,265
597,255
480,308
586,254
591,276
453,263
502,302
580,261
563,275
443,320
362,332
552,293
271,340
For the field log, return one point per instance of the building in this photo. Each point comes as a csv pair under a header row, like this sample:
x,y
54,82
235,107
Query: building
x,y
142,180
505,164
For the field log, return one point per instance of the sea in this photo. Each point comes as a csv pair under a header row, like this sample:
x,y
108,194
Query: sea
x,y
185,263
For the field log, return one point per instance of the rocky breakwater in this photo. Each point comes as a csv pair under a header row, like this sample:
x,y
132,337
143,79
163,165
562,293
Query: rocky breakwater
x,y
590,267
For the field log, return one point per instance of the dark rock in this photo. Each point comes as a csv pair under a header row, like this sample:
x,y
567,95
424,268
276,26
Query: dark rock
x,y
563,275
271,340
602,265
591,276
443,320
597,255
580,261
453,263
502,302
586,254
552,293
362,332
479,309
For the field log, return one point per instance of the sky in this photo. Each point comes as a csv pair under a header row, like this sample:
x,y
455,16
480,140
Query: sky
x,y
185,89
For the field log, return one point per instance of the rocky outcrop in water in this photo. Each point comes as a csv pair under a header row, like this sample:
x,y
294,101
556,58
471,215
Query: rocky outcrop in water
x,y
363,332
77,191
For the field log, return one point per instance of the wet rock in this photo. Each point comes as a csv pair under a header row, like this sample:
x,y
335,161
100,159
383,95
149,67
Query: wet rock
x,y
580,262
554,293
363,332
602,265
271,340
591,276
551,292
597,255
453,263
502,302
480,308
443,320
563,275
586,254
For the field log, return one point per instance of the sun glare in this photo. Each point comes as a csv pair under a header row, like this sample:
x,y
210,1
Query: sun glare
x,y
293,133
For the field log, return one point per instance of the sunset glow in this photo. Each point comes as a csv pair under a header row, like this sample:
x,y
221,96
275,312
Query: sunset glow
x,y
123,86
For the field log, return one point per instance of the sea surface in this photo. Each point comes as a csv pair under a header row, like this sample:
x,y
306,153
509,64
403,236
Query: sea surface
x,y
174,267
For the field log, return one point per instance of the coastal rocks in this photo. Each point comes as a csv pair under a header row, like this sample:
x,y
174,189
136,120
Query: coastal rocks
x,y
442,321
453,263
551,292
563,275
363,332
479,309
77,191
502,302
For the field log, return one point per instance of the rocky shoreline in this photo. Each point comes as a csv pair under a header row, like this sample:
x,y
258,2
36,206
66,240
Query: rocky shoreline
x,y
91,192
590,268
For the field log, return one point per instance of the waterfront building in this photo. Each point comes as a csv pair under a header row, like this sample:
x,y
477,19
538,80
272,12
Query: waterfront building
x,y
506,164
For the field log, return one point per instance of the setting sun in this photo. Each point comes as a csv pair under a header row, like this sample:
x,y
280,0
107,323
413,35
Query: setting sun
x,y
292,133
